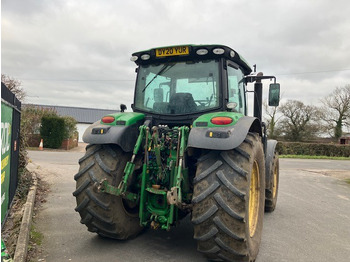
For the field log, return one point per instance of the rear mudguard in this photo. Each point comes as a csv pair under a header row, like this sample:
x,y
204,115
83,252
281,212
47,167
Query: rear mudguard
x,y
223,137
123,131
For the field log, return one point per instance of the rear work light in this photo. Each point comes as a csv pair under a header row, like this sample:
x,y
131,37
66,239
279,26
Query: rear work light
x,y
145,57
221,120
108,119
218,51
202,51
134,58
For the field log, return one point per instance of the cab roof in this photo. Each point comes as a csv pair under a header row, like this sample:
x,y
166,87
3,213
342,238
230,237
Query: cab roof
x,y
188,53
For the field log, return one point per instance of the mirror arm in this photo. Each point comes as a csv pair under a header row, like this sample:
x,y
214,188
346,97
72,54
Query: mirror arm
x,y
251,78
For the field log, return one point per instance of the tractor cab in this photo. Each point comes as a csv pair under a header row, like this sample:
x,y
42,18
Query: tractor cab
x,y
178,84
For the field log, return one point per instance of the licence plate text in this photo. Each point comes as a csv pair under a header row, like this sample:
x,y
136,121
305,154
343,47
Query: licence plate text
x,y
172,51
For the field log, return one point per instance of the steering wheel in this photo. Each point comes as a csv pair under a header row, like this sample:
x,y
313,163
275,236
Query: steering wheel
x,y
201,102
205,103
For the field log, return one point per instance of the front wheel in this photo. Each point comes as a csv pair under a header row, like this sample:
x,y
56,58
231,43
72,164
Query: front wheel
x,y
228,202
272,181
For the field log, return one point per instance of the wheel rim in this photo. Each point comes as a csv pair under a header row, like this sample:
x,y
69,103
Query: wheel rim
x,y
274,186
254,197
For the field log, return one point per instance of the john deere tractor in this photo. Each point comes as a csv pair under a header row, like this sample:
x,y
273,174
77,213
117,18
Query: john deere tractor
x,y
188,147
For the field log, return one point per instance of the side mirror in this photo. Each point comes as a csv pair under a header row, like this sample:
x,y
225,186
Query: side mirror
x,y
274,94
122,108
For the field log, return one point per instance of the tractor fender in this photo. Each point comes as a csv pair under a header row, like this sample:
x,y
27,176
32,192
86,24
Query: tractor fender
x,y
123,132
226,137
269,158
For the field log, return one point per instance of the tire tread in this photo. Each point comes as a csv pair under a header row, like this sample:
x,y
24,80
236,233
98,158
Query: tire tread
x,y
220,213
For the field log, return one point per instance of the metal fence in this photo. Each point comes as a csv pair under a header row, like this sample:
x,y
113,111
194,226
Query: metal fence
x,y
10,131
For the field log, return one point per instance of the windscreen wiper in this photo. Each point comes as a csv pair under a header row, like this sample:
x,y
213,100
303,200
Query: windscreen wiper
x,y
161,71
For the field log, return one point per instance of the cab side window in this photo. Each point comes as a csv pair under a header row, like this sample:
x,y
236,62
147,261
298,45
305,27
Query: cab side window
x,y
236,92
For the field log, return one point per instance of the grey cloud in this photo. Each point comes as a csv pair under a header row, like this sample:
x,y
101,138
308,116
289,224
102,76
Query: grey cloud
x,y
93,40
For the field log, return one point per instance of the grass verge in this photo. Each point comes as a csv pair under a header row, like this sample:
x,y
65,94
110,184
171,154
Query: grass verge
x,y
315,157
36,239
36,236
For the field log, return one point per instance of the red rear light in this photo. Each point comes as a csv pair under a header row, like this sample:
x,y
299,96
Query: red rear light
x,y
221,120
108,119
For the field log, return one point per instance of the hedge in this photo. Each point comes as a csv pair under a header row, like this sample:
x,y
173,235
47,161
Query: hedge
x,y
312,149
52,130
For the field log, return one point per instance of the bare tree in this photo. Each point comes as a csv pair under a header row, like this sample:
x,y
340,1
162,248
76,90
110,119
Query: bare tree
x,y
300,121
336,107
271,118
15,86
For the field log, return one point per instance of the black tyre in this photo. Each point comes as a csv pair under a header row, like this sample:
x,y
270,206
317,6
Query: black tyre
x,y
228,202
105,214
272,181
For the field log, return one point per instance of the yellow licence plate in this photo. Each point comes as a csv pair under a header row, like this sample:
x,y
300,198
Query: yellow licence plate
x,y
172,51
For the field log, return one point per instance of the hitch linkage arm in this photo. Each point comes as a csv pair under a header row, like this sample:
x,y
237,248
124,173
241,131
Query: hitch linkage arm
x,y
105,187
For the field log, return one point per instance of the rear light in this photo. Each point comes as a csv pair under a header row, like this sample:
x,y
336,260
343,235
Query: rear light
x,y
108,119
221,120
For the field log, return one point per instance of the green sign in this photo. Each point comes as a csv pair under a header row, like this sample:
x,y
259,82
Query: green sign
x,y
6,124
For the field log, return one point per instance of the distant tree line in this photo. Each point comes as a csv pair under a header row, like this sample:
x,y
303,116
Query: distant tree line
x,y
296,121
292,120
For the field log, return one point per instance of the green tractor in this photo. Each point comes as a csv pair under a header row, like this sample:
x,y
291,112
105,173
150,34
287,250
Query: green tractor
x,y
188,147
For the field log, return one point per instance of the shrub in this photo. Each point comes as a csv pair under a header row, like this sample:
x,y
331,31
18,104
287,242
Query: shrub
x,y
52,131
70,127
31,118
30,125
311,149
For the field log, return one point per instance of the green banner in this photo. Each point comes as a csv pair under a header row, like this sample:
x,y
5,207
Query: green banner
x,y
6,123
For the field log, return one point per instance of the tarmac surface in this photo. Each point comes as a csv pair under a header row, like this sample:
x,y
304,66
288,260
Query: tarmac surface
x,y
311,221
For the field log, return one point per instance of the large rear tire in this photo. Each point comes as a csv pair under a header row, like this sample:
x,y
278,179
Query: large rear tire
x,y
228,202
106,214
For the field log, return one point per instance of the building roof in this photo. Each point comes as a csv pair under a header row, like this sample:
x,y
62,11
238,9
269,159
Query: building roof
x,y
81,114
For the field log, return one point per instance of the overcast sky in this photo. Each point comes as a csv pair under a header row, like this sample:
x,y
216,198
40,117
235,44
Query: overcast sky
x,y
77,53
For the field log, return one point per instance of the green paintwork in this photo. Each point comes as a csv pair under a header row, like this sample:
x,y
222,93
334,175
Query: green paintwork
x,y
129,118
105,187
207,117
142,212
157,202
5,256
6,127
158,179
